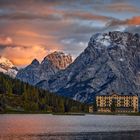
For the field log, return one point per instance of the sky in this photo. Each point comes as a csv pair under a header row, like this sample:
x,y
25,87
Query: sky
x,y
33,28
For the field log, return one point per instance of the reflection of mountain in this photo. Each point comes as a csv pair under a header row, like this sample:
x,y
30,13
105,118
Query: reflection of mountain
x,y
7,67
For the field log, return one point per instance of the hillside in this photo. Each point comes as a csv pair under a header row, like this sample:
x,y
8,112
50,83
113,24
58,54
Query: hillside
x,y
51,64
19,96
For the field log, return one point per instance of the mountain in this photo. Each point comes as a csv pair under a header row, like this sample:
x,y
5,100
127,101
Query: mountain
x,y
36,72
59,59
110,62
7,67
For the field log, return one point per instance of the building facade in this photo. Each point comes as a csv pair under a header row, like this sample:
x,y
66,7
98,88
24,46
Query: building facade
x,y
114,102
90,109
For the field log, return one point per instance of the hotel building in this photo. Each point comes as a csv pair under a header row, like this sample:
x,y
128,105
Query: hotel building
x,y
114,102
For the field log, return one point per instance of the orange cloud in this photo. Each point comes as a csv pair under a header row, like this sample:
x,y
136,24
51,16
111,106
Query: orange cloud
x,y
33,43
33,34
130,22
6,40
133,21
121,7
24,55
85,16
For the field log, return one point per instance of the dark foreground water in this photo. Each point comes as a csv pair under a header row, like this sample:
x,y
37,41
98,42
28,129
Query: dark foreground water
x,y
53,127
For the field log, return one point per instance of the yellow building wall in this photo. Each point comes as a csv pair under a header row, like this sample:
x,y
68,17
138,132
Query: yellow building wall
x,y
104,102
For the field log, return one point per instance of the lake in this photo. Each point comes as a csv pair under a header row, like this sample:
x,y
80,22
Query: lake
x,y
64,127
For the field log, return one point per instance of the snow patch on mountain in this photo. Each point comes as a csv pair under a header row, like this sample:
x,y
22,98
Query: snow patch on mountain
x,y
12,72
7,67
4,62
103,40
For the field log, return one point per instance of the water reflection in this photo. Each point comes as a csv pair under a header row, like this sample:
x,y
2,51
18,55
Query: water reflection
x,y
49,127
78,136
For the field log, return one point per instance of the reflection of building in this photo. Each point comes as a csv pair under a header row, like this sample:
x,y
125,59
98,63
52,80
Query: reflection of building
x,y
119,102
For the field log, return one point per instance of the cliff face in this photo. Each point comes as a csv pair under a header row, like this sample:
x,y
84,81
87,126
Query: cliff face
x,y
36,72
59,59
110,62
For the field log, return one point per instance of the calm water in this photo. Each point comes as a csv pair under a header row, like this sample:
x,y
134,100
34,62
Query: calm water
x,y
51,127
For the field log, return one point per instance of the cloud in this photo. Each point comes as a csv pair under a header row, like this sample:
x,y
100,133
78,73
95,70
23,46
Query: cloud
x,y
133,29
122,7
33,34
5,40
53,15
39,26
20,15
133,21
21,55
85,16
118,7
130,22
74,46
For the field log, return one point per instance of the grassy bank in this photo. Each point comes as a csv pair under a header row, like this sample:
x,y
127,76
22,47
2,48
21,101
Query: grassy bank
x,y
67,113
41,112
70,113
16,111
113,113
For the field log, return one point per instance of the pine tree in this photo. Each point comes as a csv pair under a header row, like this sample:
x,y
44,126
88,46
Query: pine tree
x,y
18,94
113,106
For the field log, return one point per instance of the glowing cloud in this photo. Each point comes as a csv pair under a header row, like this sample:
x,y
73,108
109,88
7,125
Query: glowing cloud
x,y
40,26
24,55
5,41
132,21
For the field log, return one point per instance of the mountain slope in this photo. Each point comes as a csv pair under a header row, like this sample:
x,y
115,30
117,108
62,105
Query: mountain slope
x,y
59,59
110,62
7,67
18,96
36,72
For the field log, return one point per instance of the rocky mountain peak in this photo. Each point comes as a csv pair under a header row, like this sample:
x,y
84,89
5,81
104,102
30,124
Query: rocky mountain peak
x,y
110,62
51,64
111,39
59,59
35,62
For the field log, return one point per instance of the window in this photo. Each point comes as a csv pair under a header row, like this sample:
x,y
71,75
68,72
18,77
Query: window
x,y
122,102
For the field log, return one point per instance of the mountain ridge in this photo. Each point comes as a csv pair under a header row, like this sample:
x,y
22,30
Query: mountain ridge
x,y
110,62
51,64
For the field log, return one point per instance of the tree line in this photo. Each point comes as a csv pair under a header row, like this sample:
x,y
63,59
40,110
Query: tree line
x,y
15,94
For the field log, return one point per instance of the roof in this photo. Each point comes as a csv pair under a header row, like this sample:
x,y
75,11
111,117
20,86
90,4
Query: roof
x,y
120,94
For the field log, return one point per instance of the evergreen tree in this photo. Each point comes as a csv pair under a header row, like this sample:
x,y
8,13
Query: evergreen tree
x,y
113,106
18,94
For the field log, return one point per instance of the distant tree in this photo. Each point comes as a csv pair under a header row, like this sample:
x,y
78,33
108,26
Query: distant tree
x,y
19,94
2,102
94,106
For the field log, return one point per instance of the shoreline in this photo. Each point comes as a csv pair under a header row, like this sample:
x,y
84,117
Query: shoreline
x,y
70,113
